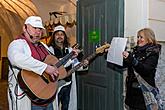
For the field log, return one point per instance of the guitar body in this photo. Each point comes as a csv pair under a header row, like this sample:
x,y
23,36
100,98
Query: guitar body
x,y
39,90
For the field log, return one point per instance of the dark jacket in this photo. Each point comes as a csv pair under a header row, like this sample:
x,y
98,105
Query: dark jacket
x,y
144,61
60,53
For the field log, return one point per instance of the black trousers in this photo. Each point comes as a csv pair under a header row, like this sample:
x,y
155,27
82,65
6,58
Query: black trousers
x,y
131,108
135,109
64,97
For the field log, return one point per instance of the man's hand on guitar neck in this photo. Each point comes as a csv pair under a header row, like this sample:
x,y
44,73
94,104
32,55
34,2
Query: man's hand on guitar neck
x,y
85,63
76,50
52,71
75,53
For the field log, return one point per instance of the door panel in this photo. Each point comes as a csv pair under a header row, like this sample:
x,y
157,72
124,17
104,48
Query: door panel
x,y
101,87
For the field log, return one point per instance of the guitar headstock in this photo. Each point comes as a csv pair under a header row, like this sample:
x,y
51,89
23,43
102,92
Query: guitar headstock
x,y
102,48
76,46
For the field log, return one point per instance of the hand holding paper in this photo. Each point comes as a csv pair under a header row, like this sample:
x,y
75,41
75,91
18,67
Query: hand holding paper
x,y
115,55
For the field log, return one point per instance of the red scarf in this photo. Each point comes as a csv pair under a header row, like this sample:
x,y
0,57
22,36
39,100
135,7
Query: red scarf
x,y
38,51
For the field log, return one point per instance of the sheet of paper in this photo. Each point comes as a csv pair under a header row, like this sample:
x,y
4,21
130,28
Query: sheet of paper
x,y
114,55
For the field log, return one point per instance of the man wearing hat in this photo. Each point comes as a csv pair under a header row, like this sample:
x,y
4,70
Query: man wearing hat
x,y
67,94
27,53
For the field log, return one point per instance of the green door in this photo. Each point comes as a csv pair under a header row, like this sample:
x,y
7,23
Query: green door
x,y
101,88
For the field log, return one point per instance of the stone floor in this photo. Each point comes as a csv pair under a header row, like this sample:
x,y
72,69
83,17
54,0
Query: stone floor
x,y
3,95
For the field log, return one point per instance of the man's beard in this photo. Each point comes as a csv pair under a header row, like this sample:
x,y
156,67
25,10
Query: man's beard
x,y
59,40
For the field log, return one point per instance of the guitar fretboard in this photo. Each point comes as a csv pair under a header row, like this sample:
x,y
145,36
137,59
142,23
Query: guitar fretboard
x,y
81,64
64,60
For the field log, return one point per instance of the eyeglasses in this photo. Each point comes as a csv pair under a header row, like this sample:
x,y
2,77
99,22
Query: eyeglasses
x,y
139,37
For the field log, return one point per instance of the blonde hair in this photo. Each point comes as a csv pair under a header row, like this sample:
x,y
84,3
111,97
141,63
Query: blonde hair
x,y
149,35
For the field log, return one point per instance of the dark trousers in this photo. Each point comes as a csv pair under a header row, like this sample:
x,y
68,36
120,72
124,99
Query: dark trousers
x,y
135,109
64,97
131,108
49,107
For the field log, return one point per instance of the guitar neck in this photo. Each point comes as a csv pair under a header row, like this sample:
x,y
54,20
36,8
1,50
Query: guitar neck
x,y
81,64
64,60
90,57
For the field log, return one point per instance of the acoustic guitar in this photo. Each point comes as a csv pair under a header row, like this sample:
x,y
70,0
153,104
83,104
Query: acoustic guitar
x,y
90,57
40,88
